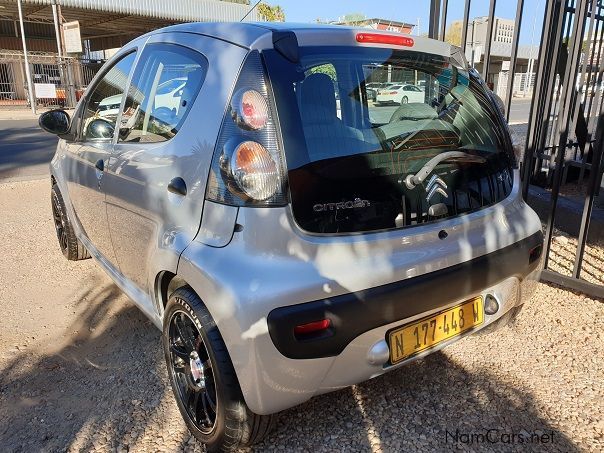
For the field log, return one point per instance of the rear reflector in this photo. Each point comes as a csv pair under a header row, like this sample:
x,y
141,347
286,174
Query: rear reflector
x,y
378,38
312,327
535,253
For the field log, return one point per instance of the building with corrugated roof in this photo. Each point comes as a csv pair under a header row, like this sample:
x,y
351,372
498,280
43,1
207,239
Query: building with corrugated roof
x,y
102,24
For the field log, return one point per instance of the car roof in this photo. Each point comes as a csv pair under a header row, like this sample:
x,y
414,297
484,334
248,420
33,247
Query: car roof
x,y
254,34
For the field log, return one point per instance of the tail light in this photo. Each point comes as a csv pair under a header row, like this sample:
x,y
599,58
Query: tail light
x,y
248,167
249,109
254,170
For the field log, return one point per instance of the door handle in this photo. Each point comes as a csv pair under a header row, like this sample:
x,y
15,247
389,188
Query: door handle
x,y
100,165
177,186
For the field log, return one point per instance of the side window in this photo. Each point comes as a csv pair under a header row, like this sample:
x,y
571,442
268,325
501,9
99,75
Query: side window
x,y
163,89
103,103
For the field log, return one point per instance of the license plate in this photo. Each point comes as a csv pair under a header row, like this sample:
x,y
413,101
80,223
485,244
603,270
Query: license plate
x,y
428,332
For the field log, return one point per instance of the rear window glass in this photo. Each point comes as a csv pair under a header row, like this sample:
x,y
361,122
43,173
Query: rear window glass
x,y
427,148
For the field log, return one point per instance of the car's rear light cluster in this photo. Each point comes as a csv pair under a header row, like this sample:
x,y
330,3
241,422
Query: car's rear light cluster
x,y
248,168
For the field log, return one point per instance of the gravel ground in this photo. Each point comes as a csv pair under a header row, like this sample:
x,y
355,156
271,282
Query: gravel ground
x,y
81,369
562,258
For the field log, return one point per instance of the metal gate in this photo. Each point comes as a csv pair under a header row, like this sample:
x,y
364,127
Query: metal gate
x,y
7,81
563,164
56,82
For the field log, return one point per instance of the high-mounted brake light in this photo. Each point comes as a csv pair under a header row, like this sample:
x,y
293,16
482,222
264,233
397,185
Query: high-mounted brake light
x,y
379,38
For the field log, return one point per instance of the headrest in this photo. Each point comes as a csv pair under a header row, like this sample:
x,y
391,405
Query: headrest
x,y
190,89
318,99
413,111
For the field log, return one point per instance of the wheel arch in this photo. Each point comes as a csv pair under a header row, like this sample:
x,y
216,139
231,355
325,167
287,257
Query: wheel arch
x,y
166,283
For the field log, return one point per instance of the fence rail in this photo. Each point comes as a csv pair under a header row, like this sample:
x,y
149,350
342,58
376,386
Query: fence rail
x,y
565,138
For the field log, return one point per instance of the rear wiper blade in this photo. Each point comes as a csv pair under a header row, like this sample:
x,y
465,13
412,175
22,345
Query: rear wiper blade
x,y
411,181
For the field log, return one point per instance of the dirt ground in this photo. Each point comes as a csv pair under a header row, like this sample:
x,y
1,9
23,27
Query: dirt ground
x,y
81,369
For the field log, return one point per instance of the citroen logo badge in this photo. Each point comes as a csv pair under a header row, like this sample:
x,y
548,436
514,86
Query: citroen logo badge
x,y
436,185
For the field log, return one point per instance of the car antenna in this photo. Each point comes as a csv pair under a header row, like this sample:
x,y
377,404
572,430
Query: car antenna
x,y
251,9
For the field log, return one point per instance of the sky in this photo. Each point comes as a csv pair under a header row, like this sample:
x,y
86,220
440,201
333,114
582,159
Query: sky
x,y
412,10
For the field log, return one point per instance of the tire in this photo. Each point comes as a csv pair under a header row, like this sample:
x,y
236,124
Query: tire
x,y
405,100
70,245
215,389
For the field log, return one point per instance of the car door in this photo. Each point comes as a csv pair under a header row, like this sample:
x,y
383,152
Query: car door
x,y
88,155
415,94
156,190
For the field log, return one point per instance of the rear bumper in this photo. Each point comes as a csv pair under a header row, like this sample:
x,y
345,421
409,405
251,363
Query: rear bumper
x,y
355,313
361,360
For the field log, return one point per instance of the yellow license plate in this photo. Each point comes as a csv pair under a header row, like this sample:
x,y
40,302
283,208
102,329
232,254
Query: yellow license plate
x,y
426,333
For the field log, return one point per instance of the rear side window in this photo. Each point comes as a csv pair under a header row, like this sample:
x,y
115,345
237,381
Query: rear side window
x,y
163,89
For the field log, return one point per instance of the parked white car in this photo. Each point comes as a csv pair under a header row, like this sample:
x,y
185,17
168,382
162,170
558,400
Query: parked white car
x,y
110,106
169,93
400,94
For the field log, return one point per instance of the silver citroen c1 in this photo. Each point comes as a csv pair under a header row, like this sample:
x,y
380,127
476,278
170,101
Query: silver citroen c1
x,y
289,236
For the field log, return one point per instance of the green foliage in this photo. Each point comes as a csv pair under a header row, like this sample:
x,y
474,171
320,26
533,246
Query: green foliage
x,y
324,69
453,33
354,17
271,13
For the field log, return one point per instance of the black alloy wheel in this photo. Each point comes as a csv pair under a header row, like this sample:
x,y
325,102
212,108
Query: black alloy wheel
x,y
192,371
70,245
203,380
59,222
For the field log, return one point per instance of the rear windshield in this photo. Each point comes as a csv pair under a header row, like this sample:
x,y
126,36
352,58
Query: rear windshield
x,y
426,145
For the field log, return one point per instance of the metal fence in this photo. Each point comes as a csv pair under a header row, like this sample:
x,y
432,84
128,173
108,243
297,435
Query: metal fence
x,y
57,82
563,164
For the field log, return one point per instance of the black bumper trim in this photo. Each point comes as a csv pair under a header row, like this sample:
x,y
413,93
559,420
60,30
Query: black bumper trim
x,y
355,313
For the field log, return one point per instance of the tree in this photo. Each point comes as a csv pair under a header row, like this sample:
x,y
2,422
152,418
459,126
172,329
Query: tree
x,y
271,13
453,33
326,69
353,17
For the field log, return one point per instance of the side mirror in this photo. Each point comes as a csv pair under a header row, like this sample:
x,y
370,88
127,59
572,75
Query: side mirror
x,y
100,128
55,121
